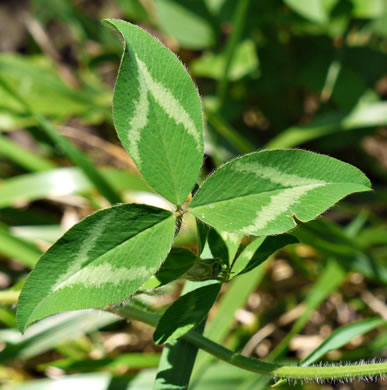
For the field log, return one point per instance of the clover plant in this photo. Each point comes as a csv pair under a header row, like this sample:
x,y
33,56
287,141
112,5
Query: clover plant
x,y
119,251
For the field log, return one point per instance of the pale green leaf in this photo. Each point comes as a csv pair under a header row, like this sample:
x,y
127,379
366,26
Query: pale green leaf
x,y
212,65
100,261
369,8
34,77
186,313
189,22
157,113
313,10
264,192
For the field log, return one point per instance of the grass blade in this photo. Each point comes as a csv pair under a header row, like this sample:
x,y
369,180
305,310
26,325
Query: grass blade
x,y
23,157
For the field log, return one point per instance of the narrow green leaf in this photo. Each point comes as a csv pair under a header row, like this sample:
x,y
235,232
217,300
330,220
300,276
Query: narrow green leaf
x,y
100,261
186,313
341,337
224,245
264,192
178,262
259,251
157,113
202,233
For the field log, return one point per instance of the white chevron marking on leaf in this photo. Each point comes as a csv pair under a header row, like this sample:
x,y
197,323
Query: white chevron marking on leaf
x,y
278,205
98,275
139,120
275,175
169,103
88,245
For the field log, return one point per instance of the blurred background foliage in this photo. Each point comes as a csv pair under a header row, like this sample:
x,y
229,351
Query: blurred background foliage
x,y
291,73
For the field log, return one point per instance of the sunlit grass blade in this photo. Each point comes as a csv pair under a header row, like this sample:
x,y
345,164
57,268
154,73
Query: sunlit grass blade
x,y
63,181
17,248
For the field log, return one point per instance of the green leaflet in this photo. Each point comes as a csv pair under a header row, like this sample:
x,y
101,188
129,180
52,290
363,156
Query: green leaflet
x,y
262,193
186,313
157,113
100,261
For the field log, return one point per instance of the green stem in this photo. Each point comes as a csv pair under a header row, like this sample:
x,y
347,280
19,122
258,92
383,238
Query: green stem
x,y
9,297
257,366
238,24
76,156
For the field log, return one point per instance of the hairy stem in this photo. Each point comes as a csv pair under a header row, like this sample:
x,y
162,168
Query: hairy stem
x,y
260,367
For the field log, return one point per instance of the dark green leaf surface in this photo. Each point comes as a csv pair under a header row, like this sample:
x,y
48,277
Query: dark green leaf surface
x,y
157,113
223,245
260,250
100,261
263,193
178,262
